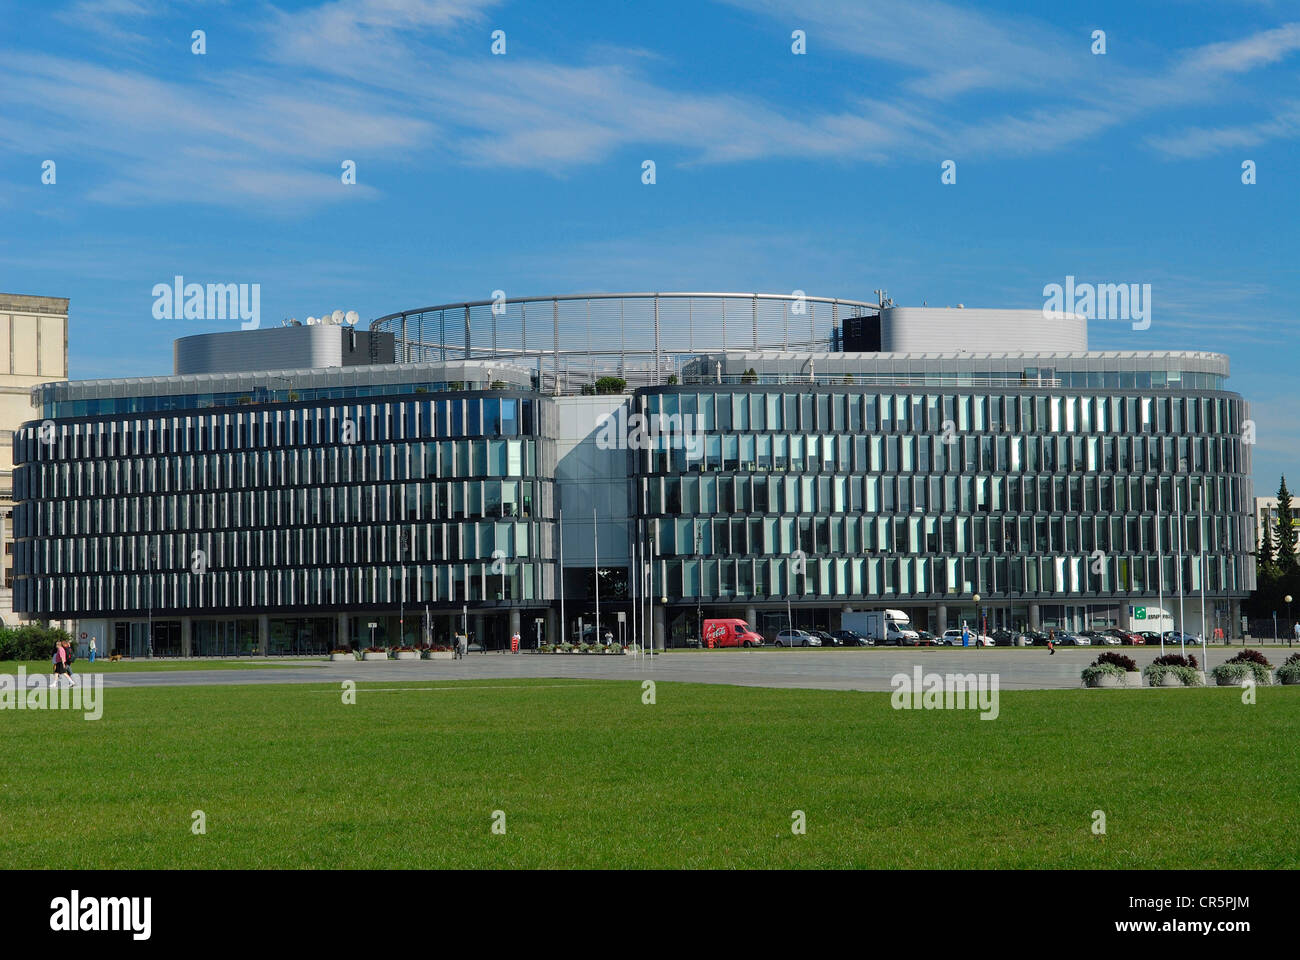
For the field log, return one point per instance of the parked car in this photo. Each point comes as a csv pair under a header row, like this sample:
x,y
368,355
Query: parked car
x,y
1097,638
797,638
850,638
1035,638
1175,636
1126,638
1005,638
924,638
1064,639
827,639
952,638
1149,636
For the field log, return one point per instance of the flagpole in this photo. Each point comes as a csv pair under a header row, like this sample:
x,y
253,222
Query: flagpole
x,y
559,526
1182,632
636,586
595,554
1200,541
1160,566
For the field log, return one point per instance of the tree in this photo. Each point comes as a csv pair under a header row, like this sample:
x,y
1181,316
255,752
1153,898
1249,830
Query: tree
x,y
605,385
1264,554
1284,535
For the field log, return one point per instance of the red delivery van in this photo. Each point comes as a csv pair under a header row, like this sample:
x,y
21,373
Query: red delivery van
x,y
730,633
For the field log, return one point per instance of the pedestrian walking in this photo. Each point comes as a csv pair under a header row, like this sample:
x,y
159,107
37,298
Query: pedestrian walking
x,y
965,634
1051,642
92,649
60,665
1297,631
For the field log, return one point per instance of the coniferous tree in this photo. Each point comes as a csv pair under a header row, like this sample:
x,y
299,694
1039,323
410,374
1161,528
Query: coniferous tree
x,y
1264,553
1284,534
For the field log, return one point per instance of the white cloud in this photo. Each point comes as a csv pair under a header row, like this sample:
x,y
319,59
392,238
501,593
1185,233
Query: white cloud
x,y
381,81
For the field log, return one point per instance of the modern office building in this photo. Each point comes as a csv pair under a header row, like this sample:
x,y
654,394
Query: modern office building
x,y
33,350
644,459
1266,517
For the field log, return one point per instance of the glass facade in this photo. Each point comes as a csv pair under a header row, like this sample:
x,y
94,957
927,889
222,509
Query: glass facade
x,y
831,493
305,507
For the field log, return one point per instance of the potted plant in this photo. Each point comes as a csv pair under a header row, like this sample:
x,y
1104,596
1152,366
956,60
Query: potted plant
x,y
1289,672
337,655
1112,670
439,651
1247,664
1174,670
374,653
405,653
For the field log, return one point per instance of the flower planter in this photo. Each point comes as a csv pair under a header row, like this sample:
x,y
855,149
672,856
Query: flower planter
x,y
340,657
440,655
1104,680
1133,678
374,656
1289,679
407,655
1170,680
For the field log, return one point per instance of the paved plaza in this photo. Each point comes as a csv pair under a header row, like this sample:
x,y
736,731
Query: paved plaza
x,y
852,669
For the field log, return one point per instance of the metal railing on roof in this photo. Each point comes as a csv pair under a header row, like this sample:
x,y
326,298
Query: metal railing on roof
x,y
642,337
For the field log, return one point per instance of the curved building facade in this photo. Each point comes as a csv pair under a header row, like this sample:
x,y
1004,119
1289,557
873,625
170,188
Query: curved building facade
x,y
1060,489
291,515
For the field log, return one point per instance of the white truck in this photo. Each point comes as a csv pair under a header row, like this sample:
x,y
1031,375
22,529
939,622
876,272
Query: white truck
x,y
883,626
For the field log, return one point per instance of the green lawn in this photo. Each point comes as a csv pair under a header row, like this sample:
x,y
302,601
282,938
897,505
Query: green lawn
x,y
588,776
82,665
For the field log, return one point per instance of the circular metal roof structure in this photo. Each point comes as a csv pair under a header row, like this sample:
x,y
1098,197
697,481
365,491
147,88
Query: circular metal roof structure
x,y
641,337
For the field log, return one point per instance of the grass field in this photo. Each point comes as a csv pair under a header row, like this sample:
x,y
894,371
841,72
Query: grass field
x,y
588,776
82,665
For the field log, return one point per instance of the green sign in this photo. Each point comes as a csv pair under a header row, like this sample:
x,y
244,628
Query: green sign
x,y
1139,613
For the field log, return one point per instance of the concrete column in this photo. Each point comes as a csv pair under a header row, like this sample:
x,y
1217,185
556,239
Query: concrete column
x,y
264,634
514,625
659,626
751,617
552,626
341,632
477,622
1034,622
187,636
941,620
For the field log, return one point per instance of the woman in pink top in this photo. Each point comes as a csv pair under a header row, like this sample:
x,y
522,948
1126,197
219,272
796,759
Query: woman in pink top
x,y
61,665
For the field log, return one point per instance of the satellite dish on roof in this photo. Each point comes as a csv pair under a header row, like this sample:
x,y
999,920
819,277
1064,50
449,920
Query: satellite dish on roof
x,y
311,321
351,317
337,316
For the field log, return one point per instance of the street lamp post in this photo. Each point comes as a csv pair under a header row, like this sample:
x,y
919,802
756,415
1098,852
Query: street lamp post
x,y
1290,634
150,556
976,598
401,608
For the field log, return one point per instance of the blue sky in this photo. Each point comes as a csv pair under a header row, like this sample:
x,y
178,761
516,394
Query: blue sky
x,y
775,171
